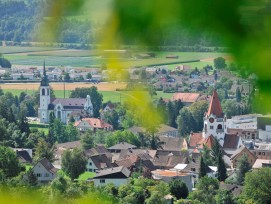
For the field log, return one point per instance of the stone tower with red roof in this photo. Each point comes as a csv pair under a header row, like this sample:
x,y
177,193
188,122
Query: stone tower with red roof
x,y
214,120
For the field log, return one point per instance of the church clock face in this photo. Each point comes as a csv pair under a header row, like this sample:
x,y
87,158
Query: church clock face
x,y
211,120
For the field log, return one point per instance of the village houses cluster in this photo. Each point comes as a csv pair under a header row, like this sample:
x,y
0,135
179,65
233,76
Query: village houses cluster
x,y
177,158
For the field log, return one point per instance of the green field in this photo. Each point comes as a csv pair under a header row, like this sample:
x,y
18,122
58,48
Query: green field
x,y
86,58
113,96
86,175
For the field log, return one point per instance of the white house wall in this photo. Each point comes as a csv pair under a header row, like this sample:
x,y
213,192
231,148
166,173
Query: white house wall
x,y
116,181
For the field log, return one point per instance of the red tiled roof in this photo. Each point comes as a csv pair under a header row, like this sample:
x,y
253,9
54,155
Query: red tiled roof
x,y
209,142
186,97
215,106
94,122
195,138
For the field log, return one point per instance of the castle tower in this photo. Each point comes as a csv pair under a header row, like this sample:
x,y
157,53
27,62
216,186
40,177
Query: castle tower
x,y
214,121
44,97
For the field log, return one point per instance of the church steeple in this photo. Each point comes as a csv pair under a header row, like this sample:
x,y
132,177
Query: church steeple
x,y
215,106
44,80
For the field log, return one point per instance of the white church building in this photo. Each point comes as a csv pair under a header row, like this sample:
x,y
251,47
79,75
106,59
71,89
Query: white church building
x,y
62,108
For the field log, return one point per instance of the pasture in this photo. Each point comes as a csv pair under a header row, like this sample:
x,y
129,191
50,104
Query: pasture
x,y
91,58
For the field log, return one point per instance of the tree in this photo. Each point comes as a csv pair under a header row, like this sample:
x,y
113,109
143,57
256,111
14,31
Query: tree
x,y
238,95
112,117
71,132
67,76
170,114
155,198
178,188
5,63
206,190
220,63
243,167
89,76
87,140
217,154
202,168
96,98
9,163
224,197
44,150
73,163
185,122
198,110
258,186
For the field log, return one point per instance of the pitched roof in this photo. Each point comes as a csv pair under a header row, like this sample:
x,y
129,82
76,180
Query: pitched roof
x,y
101,161
186,97
259,163
235,189
68,103
169,159
240,151
48,165
69,145
231,141
215,106
173,143
99,149
194,166
128,162
143,154
195,138
115,172
122,145
94,122
209,142
23,156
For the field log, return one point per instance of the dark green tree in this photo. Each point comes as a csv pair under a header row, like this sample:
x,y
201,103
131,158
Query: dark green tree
x,y
243,166
71,132
87,140
220,63
238,95
44,149
96,98
112,117
185,122
67,76
203,168
170,114
73,163
178,188
9,163
258,186
224,197
89,75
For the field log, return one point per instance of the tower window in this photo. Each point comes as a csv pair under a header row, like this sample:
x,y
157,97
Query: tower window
x,y
43,92
211,127
219,127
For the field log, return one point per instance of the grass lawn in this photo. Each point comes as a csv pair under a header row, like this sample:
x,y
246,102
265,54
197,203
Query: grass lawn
x,y
27,167
86,175
16,49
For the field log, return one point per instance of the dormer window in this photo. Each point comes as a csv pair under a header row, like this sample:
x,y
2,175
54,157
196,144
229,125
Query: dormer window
x,y
211,120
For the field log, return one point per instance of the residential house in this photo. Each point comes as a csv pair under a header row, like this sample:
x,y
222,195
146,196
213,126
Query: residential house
x,y
243,121
236,190
262,150
239,153
24,156
173,143
168,159
19,76
186,98
162,130
44,170
260,163
93,124
97,162
170,175
120,146
116,175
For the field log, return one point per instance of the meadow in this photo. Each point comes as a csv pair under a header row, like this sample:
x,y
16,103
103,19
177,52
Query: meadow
x,y
92,58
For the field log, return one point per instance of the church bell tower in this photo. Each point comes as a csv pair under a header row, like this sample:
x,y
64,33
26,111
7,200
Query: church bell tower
x,y
214,120
44,97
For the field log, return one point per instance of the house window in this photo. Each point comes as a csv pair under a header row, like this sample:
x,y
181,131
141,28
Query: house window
x,y
46,175
38,175
90,163
94,170
90,170
219,127
193,169
263,153
211,127
102,181
259,153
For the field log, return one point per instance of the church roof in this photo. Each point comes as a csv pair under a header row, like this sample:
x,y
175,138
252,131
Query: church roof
x,y
215,106
68,103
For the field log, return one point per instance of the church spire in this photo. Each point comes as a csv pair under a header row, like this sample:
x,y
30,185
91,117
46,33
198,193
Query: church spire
x,y
44,79
215,106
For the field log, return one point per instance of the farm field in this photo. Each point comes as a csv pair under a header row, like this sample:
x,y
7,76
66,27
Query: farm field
x,y
85,58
